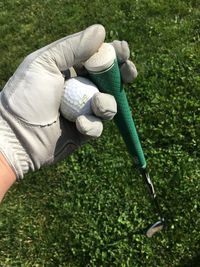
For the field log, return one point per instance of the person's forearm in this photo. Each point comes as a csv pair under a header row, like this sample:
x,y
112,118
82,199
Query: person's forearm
x,y
7,176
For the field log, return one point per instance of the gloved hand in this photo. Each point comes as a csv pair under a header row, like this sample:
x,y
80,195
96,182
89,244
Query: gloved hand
x,y
32,131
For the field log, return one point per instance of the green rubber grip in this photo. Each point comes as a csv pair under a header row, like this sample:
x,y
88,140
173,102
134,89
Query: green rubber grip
x,y
109,81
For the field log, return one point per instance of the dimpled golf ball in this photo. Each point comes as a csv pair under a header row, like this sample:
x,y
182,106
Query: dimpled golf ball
x,y
77,96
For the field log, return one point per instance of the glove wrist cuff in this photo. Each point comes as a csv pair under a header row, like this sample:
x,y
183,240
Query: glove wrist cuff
x,y
12,150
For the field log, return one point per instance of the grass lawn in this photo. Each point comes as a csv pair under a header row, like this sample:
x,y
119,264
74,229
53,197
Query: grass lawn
x,y
85,210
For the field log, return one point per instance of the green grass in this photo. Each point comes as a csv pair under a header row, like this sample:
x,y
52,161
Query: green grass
x,y
84,210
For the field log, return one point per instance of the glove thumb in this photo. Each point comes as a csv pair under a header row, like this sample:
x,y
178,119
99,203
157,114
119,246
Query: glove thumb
x,y
74,49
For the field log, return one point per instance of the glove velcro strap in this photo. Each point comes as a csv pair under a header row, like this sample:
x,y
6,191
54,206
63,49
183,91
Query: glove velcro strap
x,y
12,150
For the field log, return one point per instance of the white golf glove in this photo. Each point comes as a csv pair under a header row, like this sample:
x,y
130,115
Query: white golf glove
x,y
32,131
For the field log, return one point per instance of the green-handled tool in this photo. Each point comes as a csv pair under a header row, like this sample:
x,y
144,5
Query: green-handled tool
x,y
104,72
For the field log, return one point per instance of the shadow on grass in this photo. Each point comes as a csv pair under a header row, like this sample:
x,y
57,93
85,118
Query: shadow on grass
x,y
194,262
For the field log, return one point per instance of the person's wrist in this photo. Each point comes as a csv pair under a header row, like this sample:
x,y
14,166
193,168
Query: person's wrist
x,y
7,176
5,167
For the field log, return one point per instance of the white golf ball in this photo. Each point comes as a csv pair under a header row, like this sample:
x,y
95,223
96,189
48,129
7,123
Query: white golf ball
x,y
76,99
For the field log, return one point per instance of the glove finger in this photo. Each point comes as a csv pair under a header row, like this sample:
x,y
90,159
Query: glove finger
x,y
89,125
76,48
122,50
127,67
128,71
104,106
